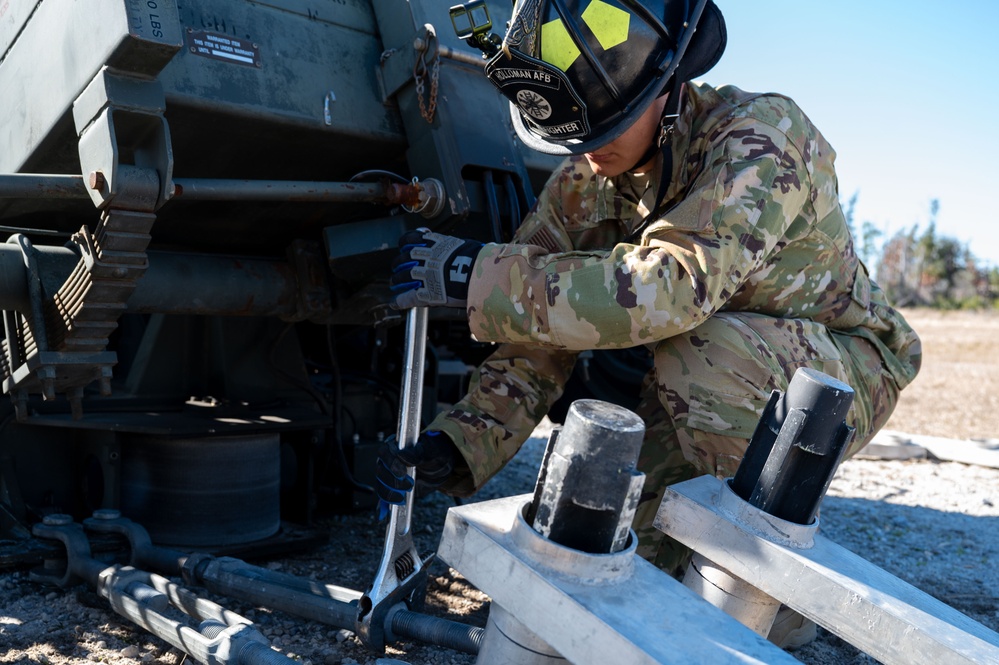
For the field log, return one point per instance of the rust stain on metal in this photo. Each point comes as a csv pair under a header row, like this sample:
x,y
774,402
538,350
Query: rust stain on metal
x,y
407,195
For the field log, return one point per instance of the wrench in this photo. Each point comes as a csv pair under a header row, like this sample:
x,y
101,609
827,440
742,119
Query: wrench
x,y
401,578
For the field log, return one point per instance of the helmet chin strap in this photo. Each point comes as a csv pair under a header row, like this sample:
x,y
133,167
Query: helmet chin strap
x,y
669,115
663,143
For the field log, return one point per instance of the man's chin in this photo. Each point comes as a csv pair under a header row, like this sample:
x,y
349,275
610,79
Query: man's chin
x,y
607,167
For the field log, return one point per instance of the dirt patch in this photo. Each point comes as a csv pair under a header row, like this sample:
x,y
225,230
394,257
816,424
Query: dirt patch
x,y
956,394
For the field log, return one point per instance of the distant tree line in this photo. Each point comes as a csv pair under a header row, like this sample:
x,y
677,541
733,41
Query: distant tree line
x,y
921,268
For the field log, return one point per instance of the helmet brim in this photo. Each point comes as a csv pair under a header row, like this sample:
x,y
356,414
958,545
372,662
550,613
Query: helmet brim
x,y
702,52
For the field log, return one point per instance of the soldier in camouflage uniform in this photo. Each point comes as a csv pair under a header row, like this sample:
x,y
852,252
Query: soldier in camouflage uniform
x,y
734,268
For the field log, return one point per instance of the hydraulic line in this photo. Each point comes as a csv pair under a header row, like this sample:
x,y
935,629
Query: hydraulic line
x,y
492,205
514,202
250,653
441,632
325,603
46,186
42,186
155,603
338,411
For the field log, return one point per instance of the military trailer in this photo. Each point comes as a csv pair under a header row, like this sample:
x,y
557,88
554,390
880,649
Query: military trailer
x,y
201,200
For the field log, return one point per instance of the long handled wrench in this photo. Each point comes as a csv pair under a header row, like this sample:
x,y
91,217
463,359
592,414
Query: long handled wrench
x,y
401,578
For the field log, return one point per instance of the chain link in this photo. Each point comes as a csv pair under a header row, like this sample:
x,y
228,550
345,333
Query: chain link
x,y
429,107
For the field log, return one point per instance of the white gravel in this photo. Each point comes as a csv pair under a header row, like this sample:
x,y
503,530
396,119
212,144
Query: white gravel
x,y
933,524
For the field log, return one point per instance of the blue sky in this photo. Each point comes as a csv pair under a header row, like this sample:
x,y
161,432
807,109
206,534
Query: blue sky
x,y
906,93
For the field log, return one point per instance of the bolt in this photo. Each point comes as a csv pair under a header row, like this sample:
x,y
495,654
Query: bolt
x,y
75,405
97,180
106,514
57,519
21,405
105,381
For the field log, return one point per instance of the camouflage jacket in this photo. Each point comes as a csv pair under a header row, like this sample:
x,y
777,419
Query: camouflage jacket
x,y
753,224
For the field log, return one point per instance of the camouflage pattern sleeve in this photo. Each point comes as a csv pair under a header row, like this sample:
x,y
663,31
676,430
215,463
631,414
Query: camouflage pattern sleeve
x,y
516,385
509,395
690,262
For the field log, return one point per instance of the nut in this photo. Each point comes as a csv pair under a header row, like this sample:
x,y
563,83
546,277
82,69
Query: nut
x,y
97,180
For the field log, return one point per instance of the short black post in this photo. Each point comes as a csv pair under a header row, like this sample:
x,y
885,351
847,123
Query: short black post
x,y
588,487
797,446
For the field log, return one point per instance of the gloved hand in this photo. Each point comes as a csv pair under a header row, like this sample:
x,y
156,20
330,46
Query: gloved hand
x,y
432,269
434,457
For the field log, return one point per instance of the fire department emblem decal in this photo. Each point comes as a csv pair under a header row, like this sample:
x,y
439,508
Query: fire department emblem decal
x,y
534,104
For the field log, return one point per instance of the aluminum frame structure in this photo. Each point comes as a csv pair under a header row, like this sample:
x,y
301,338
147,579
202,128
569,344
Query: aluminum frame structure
x,y
863,604
591,608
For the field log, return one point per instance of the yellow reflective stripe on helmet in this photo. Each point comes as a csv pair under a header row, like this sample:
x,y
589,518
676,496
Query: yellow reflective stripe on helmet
x,y
557,47
608,23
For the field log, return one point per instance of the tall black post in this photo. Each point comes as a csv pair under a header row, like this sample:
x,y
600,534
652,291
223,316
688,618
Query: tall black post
x,y
798,444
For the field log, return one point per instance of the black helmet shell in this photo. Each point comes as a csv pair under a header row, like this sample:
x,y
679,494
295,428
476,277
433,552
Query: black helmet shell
x,y
578,73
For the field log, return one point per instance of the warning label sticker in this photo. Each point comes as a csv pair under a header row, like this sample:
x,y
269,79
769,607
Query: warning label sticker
x,y
223,47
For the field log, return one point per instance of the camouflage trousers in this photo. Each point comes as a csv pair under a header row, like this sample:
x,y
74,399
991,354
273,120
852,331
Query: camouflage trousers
x,y
706,393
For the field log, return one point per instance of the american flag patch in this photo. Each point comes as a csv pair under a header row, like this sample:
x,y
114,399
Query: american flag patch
x,y
543,237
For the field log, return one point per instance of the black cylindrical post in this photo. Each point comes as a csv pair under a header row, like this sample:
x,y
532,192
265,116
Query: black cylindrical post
x,y
588,489
797,447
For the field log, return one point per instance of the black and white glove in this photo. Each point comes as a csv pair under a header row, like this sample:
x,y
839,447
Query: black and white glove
x,y
433,455
432,270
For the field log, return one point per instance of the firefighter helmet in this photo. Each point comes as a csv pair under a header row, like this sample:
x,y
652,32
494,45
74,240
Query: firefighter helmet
x,y
578,73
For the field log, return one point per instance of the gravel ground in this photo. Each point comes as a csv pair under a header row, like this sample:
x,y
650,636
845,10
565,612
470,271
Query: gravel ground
x,y
933,524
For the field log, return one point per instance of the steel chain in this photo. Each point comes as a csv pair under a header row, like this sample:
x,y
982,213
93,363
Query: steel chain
x,y
427,108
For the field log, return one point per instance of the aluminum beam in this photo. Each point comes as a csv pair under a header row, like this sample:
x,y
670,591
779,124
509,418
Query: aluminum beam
x,y
875,611
636,614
